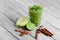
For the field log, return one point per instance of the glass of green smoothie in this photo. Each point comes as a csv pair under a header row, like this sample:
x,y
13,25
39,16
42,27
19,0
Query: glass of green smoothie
x,y
35,13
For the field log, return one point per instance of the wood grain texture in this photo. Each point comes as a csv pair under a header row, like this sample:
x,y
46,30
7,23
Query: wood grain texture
x,y
52,5
4,35
14,9
9,25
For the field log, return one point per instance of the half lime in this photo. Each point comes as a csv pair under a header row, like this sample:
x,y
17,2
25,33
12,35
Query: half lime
x,y
30,26
21,22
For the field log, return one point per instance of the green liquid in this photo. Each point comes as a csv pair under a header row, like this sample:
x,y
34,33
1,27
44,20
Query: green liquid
x,y
35,13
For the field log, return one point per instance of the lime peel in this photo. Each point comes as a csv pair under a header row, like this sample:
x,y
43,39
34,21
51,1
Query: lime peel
x,y
30,26
22,21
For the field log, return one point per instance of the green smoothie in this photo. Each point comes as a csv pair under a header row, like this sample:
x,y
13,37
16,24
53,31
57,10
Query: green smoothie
x,y
35,13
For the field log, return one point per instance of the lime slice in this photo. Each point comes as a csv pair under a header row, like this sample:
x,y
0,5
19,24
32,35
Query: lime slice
x,y
30,26
22,21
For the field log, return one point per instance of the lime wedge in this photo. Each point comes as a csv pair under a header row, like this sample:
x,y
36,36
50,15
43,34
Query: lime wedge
x,y
30,26
21,22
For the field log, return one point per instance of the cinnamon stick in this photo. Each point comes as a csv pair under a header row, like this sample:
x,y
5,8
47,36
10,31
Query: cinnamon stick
x,y
45,31
37,31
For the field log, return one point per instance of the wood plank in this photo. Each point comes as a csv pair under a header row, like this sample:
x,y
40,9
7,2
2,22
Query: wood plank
x,y
47,10
46,15
11,14
52,6
1,4
51,29
14,15
4,35
51,19
44,3
44,37
11,27
15,5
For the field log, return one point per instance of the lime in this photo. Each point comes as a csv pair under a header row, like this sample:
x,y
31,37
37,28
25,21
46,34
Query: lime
x,y
30,26
21,22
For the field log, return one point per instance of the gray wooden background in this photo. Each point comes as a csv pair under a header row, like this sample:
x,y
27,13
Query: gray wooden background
x,y
11,10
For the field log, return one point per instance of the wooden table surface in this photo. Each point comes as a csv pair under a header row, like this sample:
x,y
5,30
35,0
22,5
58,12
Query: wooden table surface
x,y
11,10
